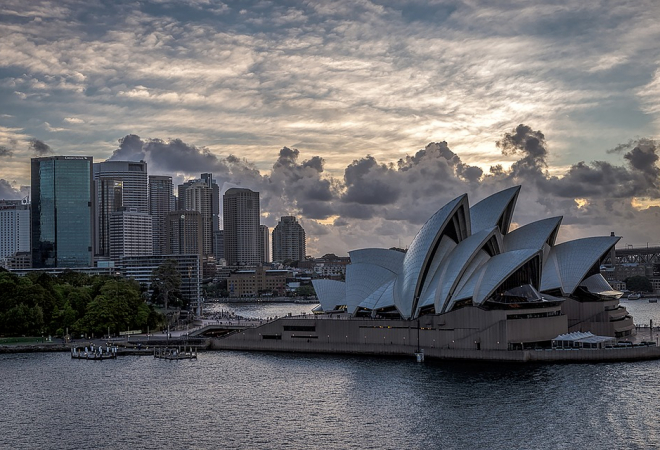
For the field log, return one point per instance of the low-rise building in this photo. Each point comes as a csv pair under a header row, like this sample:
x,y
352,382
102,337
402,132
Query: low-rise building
x,y
257,282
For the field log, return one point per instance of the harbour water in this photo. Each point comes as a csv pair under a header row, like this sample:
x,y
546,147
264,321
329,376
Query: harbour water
x,y
295,401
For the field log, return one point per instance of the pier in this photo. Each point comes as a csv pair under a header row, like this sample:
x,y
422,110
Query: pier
x,y
95,353
175,353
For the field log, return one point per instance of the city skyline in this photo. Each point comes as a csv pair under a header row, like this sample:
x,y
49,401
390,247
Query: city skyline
x,y
328,110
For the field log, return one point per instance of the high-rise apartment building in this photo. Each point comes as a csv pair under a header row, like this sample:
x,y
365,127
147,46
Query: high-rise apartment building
x,y
289,240
61,211
161,202
241,220
202,195
118,184
133,175
215,198
109,194
130,234
14,228
198,197
185,233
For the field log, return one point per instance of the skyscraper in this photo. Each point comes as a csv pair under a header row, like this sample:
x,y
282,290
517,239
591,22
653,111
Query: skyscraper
x,y
198,197
62,211
130,234
109,194
215,198
161,202
202,195
133,176
118,184
289,240
14,228
241,217
184,233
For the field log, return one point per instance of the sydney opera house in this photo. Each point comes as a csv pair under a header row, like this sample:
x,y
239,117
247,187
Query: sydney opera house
x,y
467,287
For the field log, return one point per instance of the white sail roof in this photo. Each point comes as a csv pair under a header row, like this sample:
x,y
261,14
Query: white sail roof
x,y
464,253
569,263
380,298
391,260
493,273
496,210
533,235
362,280
431,284
458,262
330,293
423,250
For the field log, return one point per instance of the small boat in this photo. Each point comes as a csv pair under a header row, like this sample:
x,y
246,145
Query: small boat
x,y
653,300
634,296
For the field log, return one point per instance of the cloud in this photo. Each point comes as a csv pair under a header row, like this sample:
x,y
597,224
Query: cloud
x,y
358,87
342,80
74,120
5,151
40,148
528,144
382,202
8,192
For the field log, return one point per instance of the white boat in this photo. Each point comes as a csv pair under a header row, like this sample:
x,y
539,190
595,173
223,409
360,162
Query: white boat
x,y
634,296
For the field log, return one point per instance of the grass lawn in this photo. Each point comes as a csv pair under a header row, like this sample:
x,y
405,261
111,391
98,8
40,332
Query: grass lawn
x,y
22,340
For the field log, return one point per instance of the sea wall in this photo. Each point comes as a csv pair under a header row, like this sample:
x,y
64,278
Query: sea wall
x,y
396,338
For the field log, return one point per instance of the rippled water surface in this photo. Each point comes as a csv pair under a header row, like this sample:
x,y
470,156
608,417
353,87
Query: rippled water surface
x,y
299,401
284,401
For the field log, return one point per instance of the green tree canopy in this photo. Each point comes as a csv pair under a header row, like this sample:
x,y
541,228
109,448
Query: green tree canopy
x,y
639,284
39,303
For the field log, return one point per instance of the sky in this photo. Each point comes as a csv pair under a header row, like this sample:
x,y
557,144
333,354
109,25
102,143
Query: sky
x,y
362,118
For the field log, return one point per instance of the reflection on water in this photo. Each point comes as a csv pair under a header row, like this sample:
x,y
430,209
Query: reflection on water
x,y
270,400
643,311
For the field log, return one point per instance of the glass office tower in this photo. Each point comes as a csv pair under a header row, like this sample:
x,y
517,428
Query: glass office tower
x,y
62,211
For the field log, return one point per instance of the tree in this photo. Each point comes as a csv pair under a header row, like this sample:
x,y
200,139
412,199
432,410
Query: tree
x,y
118,307
639,284
306,290
166,280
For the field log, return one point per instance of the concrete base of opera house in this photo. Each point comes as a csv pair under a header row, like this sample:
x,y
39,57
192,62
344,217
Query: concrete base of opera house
x,y
383,337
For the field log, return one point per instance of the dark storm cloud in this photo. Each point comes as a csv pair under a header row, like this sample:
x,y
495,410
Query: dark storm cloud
x,y
601,179
530,145
402,195
39,147
302,184
408,189
370,183
130,149
644,158
172,155
469,173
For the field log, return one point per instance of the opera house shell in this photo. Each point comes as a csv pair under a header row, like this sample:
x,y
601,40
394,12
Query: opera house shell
x,y
468,287
466,267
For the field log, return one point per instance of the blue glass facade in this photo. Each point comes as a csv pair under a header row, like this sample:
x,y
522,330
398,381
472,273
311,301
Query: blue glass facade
x,y
62,211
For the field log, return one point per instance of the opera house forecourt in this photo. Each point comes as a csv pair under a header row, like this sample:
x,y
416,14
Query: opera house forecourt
x,y
467,288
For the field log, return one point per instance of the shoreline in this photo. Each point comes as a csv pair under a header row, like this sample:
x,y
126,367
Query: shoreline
x,y
262,300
